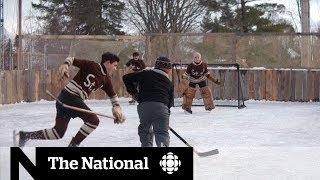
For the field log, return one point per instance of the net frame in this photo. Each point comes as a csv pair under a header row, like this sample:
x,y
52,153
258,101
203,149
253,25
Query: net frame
x,y
240,97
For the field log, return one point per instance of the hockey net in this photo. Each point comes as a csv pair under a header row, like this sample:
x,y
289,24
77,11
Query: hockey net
x,y
228,94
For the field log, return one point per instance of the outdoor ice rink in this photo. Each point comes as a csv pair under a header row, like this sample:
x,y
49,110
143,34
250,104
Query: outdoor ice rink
x,y
265,140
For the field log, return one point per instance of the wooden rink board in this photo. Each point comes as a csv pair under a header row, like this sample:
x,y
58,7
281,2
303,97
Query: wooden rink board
x,y
258,84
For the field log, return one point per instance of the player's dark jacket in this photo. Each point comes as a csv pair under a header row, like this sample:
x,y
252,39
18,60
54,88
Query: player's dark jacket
x,y
90,77
137,65
153,84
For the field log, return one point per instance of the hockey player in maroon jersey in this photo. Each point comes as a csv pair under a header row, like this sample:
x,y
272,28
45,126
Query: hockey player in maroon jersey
x,y
135,65
197,74
90,77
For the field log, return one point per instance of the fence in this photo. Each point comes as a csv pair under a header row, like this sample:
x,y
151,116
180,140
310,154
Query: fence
x,y
49,51
35,72
269,50
31,85
258,84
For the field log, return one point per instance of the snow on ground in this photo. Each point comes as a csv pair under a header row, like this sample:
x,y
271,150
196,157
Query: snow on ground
x,y
266,140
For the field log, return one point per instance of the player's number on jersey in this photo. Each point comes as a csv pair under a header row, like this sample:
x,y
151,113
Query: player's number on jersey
x,y
90,83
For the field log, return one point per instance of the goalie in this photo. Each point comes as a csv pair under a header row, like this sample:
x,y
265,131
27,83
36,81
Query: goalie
x,y
197,75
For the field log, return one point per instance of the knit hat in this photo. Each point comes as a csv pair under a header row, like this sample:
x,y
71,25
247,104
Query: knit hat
x,y
163,62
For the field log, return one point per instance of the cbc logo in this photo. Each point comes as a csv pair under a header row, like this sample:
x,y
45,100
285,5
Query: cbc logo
x,y
170,163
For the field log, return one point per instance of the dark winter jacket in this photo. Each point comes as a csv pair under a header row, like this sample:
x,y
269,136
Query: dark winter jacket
x,y
153,85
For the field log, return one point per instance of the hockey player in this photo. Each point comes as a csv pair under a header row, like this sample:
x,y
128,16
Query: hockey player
x,y
155,98
197,74
135,64
90,77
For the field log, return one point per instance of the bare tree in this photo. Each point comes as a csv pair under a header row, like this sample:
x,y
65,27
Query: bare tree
x,y
164,16
299,8
32,25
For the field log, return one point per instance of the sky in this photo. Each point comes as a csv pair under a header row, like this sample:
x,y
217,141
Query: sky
x,y
10,13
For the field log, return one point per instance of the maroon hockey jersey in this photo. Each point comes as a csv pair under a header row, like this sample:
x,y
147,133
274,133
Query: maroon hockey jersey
x,y
137,65
197,72
90,77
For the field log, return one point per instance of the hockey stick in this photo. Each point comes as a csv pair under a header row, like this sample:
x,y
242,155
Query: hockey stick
x,y
200,154
76,108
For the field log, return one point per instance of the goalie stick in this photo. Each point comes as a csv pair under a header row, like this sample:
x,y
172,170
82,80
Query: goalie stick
x,y
200,154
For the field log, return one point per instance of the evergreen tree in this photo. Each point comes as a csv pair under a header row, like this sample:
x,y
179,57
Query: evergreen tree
x,y
238,16
82,17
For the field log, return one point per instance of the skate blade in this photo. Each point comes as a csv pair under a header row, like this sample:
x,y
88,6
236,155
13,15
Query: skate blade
x,y
187,112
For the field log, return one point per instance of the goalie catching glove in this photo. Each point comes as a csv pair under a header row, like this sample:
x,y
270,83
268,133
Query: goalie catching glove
x,y
214,80
116,110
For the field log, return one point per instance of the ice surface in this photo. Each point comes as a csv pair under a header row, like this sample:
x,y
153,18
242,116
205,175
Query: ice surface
x,y
266,140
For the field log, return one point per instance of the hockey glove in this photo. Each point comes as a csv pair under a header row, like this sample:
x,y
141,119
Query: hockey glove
x,y
63,72
117,113
185,76
116,110
214,80
69,60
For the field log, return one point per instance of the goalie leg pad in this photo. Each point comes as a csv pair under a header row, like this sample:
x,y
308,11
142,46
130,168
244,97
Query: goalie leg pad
x,y
188,98
207,98
182,87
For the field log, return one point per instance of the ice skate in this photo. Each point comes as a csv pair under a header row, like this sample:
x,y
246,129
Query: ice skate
x,y
19,139
186,109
